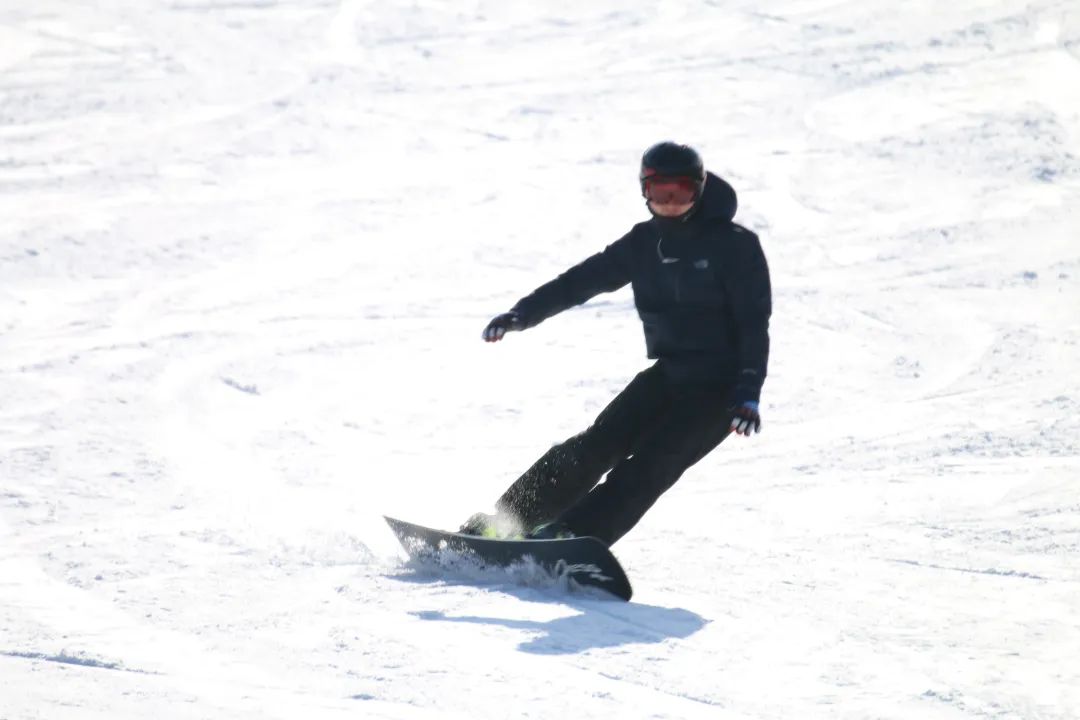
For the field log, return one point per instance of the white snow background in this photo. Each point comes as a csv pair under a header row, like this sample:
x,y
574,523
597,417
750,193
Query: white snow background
x,y
247,248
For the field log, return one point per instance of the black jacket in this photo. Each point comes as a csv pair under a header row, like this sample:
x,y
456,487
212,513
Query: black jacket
x,y
701,288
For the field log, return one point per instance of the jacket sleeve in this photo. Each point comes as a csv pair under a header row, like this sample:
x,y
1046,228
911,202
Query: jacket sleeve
x,y
605,271
750,294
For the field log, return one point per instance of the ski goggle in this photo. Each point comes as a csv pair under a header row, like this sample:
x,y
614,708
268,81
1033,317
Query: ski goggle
x,y
667,190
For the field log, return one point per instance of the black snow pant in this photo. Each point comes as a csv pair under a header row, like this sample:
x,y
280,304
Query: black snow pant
x,y
645,439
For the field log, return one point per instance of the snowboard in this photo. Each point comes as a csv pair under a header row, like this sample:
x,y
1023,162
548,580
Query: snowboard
x,y
585,560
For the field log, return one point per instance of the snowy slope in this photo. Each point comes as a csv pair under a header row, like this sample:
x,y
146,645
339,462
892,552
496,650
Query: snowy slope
x,y
247,249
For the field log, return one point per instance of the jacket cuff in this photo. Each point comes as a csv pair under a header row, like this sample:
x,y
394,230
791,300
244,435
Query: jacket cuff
x,y
745,393
522,315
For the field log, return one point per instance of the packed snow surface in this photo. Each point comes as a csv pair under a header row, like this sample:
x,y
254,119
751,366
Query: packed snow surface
x,y
247,248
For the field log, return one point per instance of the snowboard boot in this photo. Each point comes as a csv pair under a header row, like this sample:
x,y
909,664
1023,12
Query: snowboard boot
x,y
496,527
482,524
551,531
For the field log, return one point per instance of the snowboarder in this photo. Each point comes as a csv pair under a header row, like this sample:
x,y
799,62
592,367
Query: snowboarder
x,y
701,288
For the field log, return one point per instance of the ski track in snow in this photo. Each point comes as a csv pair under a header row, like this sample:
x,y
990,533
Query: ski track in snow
x,y
246,251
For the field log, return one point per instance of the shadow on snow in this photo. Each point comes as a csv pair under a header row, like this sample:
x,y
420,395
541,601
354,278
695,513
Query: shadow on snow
x,y
602,621
592,628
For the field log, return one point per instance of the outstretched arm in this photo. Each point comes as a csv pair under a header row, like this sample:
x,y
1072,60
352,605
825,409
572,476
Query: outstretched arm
x,y
603,272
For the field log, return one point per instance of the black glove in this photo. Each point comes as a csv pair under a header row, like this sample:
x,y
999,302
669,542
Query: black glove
x,y
747,420
502,324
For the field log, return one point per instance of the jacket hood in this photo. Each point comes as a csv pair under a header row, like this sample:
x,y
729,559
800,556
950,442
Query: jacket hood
x,y
718,200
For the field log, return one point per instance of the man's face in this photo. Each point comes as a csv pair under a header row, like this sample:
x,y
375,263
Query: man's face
x,y
670,196
670,209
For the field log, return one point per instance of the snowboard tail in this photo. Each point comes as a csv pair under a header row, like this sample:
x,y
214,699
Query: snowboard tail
x,y
585,560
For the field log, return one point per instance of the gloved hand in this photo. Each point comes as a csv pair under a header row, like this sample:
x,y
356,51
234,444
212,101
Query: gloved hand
x,y
747,420
502,324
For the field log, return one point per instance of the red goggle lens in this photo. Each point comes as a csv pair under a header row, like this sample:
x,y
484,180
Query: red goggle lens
x,y
670,190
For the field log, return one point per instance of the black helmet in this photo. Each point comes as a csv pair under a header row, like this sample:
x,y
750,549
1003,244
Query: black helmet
x,y
671,160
